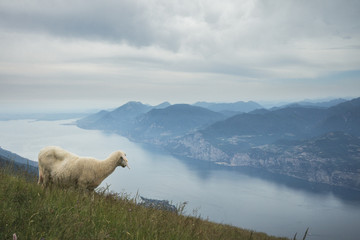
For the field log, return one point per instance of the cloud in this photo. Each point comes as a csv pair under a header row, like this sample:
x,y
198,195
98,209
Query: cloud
x,y
109,20
152,48
194,25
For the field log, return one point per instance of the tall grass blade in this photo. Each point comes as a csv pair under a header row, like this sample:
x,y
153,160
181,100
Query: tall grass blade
x,y
306,232
294,238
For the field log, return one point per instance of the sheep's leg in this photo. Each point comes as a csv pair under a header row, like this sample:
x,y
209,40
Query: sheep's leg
x,y
41,177
46,180
41,180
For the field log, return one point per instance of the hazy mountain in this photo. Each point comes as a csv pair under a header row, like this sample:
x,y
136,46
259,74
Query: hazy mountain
x,y
143,122
118,120
91,121
175,120
343,117
162,105
324,104
249,129
288,123
236,107
312,104
231,134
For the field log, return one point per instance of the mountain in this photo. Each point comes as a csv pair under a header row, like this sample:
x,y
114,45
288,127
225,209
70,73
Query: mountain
x,y
118,120
145,123
314,104
173,121
314,144
287,123
230,108
162,105
248,129
92,121
343,117
232,134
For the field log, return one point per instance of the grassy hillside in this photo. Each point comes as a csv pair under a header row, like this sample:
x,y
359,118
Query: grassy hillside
x,y
33,213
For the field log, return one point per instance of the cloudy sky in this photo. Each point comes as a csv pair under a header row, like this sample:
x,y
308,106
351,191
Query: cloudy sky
x,y
83,53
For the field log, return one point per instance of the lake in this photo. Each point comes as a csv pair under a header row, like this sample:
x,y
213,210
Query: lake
x,y
246,198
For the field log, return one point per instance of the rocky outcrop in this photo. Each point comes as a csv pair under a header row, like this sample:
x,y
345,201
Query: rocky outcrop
x,y
196,147
333,158
305,166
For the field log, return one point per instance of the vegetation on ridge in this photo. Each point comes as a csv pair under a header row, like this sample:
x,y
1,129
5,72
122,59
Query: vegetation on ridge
x,y
33,213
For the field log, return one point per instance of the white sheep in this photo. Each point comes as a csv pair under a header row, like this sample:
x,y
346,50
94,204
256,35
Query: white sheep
x,y
58,166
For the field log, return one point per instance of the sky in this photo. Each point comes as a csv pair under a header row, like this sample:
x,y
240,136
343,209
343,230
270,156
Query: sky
x,y
58,54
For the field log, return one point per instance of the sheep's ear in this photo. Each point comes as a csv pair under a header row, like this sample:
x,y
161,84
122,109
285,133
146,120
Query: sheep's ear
x,y
127,165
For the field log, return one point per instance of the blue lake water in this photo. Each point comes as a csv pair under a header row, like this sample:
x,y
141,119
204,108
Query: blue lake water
x,y
246,198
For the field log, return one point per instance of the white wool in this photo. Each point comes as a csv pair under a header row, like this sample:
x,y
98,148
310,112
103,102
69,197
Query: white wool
x,y
58,166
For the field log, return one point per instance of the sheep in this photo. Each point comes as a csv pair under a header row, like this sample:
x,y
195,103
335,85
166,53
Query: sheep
x,y
58,166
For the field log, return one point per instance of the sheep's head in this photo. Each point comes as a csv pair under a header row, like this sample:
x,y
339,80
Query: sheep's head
x,y
123,160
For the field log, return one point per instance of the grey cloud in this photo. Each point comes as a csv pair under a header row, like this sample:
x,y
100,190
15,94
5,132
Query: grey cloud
x,y
115,21
139,42
199,26
137,23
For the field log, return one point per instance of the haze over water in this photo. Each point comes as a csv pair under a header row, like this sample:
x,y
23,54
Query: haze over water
x,y
249,200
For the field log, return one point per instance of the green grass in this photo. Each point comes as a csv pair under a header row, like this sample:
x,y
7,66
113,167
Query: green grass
x,y
33,213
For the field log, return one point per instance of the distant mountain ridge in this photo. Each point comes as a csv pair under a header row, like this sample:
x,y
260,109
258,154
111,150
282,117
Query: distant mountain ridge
x,y
138,121
314,104
124,117
239,106
173,121
279,140
285,123
119,119
343,117
290,123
